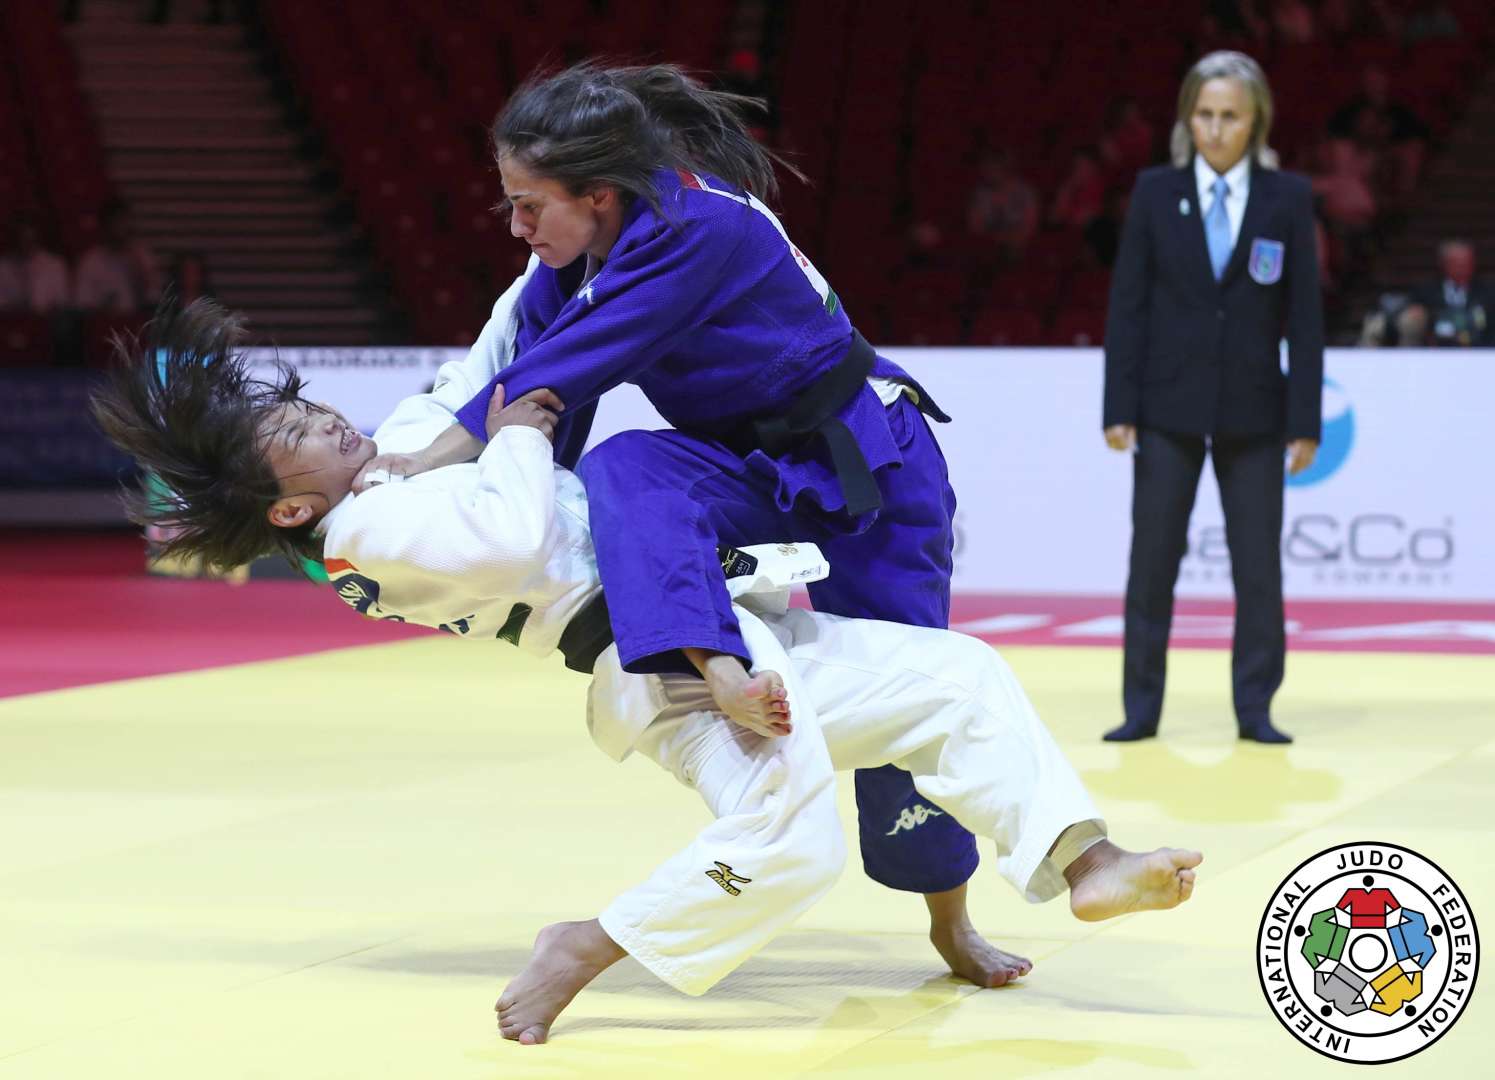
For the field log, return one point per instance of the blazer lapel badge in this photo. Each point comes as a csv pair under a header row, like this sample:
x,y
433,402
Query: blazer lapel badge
x,y
1265,263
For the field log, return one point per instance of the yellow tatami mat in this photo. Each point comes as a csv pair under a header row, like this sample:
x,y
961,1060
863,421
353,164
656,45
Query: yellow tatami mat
x,y
329,866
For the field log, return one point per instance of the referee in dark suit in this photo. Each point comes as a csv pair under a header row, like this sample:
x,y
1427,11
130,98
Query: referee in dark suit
x,y
1217,264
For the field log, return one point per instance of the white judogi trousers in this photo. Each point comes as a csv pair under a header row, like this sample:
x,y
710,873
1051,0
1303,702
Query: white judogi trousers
x,y
863,693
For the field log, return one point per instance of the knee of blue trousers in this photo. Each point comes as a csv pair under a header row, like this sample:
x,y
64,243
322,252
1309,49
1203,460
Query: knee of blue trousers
x,y
613,462
631,460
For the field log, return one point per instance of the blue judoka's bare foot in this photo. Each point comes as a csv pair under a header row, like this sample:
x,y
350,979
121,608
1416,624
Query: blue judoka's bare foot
x,y
972,957
567,956
969,954
757,702
1106,881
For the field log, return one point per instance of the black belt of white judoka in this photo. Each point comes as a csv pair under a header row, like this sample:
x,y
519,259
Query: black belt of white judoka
x,y
590,630
813,412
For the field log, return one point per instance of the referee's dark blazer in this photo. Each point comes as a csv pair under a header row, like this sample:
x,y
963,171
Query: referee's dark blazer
x,y
1186,353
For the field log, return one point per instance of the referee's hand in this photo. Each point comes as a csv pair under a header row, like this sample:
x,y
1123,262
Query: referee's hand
x,y
1300,455
1122,436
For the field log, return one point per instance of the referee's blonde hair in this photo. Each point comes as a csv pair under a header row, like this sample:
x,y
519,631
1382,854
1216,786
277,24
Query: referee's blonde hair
x,y
1225,64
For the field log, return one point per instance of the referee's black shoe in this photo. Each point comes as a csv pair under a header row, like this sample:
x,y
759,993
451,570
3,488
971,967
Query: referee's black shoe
x,y
1131,731
1262,731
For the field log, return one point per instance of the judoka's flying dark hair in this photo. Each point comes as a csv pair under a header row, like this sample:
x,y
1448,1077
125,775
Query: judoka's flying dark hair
x,y
181,401
590,126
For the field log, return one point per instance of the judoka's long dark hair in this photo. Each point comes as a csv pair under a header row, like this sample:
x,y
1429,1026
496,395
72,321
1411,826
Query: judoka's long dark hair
x,y
591,126
181,401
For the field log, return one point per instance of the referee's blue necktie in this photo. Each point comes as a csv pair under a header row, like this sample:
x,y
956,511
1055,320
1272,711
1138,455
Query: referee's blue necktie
x,y
1217,229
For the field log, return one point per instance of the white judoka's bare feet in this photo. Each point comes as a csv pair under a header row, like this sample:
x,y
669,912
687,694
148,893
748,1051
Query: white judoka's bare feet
x,y
1107,881
567,956
757,702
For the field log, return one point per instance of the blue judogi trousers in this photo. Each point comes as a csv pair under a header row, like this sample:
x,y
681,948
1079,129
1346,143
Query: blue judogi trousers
x,y
661,501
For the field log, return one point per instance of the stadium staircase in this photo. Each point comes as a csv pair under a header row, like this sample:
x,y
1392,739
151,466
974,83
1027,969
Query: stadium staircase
x,y
199,146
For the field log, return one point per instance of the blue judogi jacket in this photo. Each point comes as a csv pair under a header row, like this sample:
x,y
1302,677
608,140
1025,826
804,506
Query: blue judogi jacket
x,y
712,312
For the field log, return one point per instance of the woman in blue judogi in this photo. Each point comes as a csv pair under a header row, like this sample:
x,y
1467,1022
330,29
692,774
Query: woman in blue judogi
x,y
634,187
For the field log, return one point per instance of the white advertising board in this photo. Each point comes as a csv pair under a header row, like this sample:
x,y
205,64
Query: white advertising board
x,y
1400,504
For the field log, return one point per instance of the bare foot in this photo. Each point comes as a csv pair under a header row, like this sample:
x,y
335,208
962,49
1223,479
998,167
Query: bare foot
x,y
567,956
1107,881
972,957
969,954
757,702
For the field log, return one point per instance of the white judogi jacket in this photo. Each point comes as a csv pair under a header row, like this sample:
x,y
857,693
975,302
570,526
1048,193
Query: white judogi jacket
x,y
457,548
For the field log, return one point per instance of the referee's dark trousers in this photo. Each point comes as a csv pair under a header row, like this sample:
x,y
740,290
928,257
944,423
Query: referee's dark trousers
x,y
1165,473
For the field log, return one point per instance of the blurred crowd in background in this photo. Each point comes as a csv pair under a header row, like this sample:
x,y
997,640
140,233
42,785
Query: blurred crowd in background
x,y
970,164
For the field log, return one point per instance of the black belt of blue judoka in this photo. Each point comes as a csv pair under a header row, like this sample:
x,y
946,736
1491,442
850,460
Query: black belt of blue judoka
x,y
590,630
812,414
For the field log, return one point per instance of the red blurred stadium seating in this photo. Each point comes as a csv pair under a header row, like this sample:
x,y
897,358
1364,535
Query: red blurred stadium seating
x,y
997,326
49,124
99,331
25,341
1088,289
1034,290
934,326
886,105
1079,326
